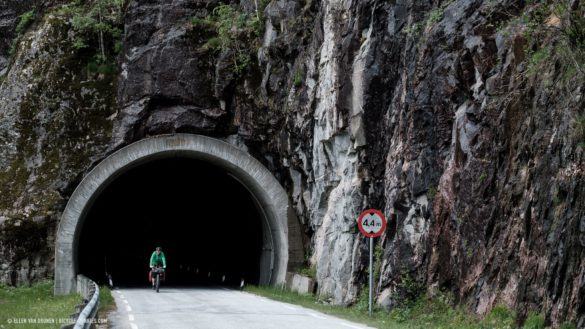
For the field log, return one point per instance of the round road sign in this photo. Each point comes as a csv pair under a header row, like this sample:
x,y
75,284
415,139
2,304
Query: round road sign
x,y
372,223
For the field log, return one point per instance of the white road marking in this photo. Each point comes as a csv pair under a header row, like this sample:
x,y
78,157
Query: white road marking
x,y
118,291
295,311
122,296
317,316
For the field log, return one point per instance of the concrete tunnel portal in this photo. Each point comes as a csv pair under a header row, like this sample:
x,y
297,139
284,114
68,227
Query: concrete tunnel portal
x,y
214,209
204,219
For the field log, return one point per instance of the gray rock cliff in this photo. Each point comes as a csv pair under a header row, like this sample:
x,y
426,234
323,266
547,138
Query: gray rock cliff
x,y
464,118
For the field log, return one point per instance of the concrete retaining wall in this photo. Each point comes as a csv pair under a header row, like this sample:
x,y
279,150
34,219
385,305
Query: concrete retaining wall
x,y
299,283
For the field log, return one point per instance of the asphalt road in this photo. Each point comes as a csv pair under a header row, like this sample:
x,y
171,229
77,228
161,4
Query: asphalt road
x,y
213,308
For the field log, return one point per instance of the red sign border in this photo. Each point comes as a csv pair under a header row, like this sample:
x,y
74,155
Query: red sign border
x,y
379,213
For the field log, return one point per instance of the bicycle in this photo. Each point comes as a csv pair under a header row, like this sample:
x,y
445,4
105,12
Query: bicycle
x,y
157,272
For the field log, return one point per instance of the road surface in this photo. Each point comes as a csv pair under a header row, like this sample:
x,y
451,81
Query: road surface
x,y
213,308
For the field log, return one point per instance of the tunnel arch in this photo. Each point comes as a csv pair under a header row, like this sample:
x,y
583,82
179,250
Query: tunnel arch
x,y
271,199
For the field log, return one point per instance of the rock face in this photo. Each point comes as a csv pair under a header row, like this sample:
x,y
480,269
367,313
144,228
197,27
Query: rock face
x,y
461,118
10,11
166,85
55,121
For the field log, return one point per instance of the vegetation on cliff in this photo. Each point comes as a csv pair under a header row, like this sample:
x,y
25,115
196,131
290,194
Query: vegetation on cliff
x,y
53,97
237,34
97,27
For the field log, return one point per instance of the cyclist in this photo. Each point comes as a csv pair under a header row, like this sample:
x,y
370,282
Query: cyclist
x,y
157,259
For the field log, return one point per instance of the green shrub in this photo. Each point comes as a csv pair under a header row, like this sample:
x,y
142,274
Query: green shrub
x,y
536,59
579,128
298,78
500,317
378,258
483,177
413,29
409,289
308,271
25,20
573,37
435,16
196,21
566,51
534,321
237,33
363,301
568,325
97,27
212,44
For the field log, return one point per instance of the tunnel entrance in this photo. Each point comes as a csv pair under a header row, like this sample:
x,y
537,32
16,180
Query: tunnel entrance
x,y
110,217
204,219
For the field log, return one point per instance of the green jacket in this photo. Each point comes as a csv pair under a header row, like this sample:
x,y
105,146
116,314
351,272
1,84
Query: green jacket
x,y
158,259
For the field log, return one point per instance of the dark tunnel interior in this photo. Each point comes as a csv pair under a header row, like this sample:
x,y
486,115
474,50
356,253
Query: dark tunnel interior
x,y
205,221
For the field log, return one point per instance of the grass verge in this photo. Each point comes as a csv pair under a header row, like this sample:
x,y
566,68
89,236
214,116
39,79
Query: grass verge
x,y
106,299
426,312
21,307
310,301
107,305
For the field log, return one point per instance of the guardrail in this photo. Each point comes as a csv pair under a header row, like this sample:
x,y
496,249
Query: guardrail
x,y
85,313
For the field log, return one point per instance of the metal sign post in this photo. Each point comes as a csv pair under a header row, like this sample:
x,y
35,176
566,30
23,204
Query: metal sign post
x,y
371,275
371,223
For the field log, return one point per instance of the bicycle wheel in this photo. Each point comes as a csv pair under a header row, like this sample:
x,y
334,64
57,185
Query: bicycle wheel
x,y
157,281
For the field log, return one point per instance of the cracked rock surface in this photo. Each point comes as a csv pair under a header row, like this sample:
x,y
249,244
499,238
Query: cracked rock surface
x,y
435,111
